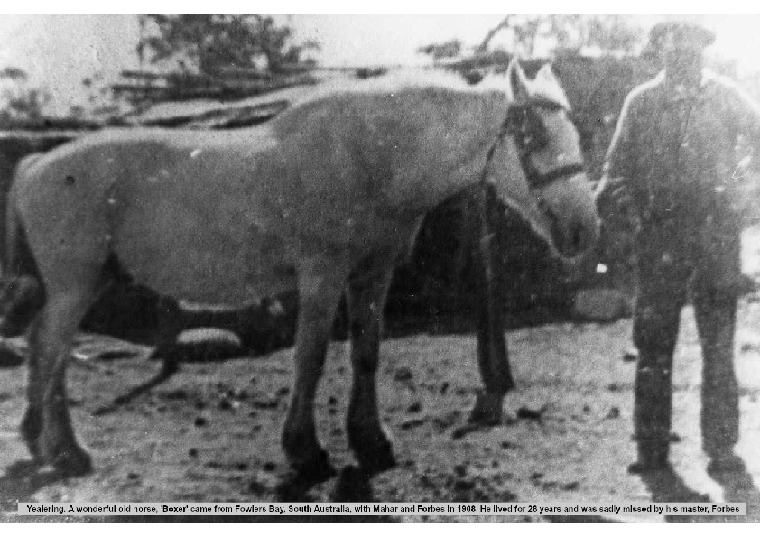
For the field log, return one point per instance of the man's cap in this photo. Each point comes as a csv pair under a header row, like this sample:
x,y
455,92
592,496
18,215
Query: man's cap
x,y
679,36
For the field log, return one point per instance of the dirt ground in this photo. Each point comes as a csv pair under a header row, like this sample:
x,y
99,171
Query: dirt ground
x,y
212,432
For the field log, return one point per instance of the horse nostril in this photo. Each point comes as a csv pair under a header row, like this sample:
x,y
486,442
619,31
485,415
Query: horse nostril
x,y
571,239
574,240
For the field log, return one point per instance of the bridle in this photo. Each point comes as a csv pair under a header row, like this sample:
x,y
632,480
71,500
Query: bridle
x,y
524,125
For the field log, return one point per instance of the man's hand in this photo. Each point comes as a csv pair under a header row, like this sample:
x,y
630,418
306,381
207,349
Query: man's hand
x,y
743,192
613,195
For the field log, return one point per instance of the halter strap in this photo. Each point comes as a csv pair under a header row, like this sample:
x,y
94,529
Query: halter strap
x,y
535,178
540,180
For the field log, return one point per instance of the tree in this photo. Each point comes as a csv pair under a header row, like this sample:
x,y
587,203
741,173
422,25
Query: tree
x,y
606,33
610,33
439,51
214,42
19,101
603,33
13,73
102,102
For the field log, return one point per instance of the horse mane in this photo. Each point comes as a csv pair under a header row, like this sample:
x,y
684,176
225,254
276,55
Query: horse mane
x,y
405,79
544,87
434,79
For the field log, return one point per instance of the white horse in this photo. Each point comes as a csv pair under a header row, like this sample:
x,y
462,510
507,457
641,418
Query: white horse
x,y
325,197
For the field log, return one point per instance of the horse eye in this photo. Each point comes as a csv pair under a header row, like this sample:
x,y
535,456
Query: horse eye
x,y
514,117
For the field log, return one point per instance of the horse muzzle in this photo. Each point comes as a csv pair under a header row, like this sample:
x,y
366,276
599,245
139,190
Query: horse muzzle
x,y
570,209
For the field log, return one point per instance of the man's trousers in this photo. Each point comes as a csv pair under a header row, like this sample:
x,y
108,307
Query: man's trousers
x,y
675,256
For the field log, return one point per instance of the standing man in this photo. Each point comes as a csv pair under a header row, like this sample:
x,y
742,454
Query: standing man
x,y
673,160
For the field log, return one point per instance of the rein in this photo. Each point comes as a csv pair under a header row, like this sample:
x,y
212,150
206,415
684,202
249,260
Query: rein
x,y
538,180
529,136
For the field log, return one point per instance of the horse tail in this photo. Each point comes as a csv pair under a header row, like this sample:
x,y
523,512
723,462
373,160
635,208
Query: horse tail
x,y
22,294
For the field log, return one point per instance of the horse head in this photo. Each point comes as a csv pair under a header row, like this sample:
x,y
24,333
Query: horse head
x,y
555,197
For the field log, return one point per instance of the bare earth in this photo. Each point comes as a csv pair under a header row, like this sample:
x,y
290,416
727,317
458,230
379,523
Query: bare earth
x,y
212,433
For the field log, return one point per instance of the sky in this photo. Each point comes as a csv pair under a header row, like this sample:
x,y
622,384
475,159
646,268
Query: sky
x,y
60,50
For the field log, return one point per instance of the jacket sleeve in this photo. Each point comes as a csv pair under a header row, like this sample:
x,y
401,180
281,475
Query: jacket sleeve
x,y
619,174
620,162
746,112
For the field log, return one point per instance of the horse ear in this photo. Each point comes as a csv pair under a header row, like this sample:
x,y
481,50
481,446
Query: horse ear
x,y
517,82
547,84
547,74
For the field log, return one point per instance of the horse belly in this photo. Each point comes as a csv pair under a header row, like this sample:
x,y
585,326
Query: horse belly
x,y
172,249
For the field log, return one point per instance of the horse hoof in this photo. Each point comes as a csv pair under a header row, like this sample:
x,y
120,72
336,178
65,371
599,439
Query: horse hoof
x,y
316,470
296,485
72,461
379,464
378,460
10,357
488,410
33,445
353,486
31,428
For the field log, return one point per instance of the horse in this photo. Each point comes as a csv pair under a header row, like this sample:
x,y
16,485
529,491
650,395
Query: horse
x,y
325,197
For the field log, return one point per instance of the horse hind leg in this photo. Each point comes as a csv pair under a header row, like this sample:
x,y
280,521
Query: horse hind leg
x,y
321,283
21,298
31,424
21,291
366,437
47,426
170,325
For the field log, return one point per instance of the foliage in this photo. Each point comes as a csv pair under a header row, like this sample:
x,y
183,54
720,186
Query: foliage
x,y
213,42
604,33
612,32
13,73
102,102
439,51
19,101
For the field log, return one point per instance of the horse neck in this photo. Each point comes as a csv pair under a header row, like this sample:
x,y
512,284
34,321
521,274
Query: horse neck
x,y
470,128
471,131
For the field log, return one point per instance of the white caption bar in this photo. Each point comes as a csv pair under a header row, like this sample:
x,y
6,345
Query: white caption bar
x,y
505,509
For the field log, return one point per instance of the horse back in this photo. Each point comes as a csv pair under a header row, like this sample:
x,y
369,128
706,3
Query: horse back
x,y
202,215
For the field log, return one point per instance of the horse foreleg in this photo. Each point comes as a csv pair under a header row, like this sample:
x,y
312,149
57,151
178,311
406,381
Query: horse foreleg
x,y
320,286
47,425
366,437
493,362
495,374
31,424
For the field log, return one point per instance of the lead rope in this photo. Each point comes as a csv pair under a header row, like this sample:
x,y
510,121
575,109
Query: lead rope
x,y
486,236
485,250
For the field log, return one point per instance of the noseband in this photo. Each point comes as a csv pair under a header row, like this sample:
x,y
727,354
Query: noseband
x,y
524,125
